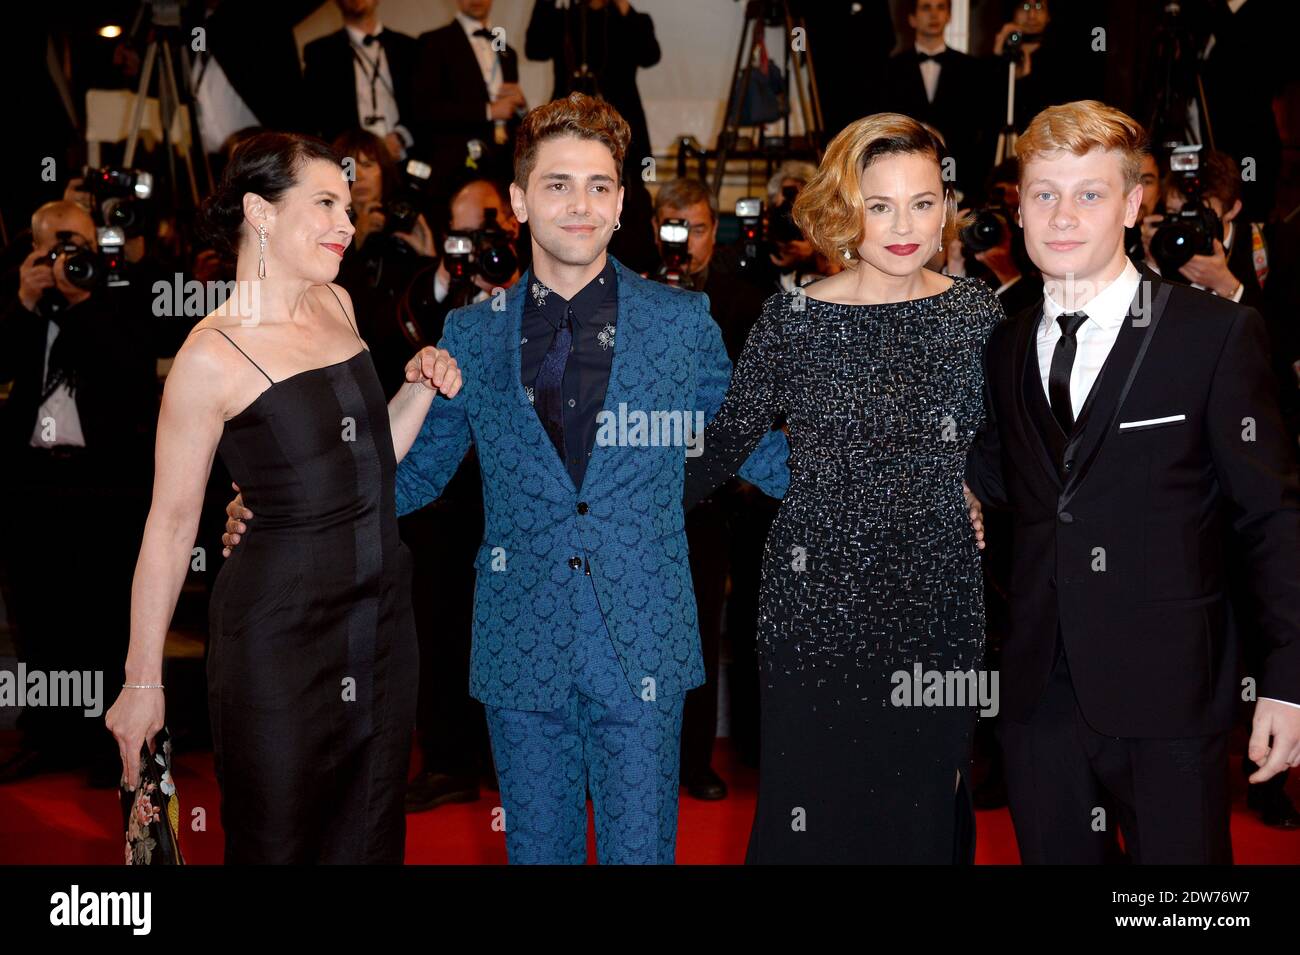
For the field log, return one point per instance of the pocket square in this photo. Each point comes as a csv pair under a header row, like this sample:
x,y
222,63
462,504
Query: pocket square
x,y
1151,422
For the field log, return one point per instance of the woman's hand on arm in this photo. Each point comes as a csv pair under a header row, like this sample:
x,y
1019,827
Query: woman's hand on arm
x,y
189,427
431,371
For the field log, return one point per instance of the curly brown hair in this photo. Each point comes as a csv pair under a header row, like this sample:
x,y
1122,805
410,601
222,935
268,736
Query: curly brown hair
x,y
576,115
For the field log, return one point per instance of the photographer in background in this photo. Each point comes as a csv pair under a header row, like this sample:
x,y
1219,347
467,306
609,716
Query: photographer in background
x,y
785,259
76,434
1197,215
991,245
687,205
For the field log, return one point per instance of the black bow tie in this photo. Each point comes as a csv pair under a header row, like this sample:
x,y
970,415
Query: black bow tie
x,y
933,57
483,32
370,38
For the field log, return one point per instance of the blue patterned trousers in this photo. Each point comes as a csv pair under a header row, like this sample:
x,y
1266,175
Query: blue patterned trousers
x,y
604,740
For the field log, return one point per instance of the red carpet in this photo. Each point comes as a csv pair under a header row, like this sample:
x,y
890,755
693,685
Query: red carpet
x,y
57,819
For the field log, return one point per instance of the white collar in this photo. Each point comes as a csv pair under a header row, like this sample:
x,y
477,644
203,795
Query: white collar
x,y
1108,308
469,24
358,38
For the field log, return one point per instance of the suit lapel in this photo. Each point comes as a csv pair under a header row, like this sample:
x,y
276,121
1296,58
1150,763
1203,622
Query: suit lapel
x,y
1116,377
625,369
1026,369
530,427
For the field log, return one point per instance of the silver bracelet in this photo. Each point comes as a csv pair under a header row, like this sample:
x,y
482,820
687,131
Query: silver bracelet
x,y
142,686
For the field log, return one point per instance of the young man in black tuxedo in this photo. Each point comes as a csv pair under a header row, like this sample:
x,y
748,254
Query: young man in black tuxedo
x,y
359,77
1133,432
944,87
467,96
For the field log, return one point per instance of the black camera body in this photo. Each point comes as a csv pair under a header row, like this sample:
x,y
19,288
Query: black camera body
x,y
84,267
1193,228
122,197
990,226
487,251
404,207
781,226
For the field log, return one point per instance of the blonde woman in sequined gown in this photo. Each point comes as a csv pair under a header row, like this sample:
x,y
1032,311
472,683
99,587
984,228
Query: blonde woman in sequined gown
x,y
871,568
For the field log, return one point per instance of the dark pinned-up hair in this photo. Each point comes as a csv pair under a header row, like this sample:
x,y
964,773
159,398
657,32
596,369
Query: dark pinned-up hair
x,y
268,164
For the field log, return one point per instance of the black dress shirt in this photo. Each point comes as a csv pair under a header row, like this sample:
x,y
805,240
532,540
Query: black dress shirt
x,y
593,316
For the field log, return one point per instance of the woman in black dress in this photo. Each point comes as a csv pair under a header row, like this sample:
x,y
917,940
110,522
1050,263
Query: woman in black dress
x,y
871,567
312,663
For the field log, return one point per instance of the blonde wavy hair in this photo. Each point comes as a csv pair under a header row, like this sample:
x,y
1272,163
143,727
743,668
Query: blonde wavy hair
x,y
1081,126
830,209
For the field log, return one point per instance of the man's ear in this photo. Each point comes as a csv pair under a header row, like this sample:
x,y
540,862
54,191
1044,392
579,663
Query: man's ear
x,y
517,204
1232,213
1132,206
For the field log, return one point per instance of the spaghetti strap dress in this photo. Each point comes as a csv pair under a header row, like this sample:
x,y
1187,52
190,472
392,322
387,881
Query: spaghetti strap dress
x,y
313,664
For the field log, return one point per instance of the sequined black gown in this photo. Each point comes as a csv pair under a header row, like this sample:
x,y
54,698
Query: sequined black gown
x,y
313,663
870,568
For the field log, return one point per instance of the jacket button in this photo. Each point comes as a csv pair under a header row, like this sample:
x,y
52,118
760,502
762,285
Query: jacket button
x,y
1066,517
1069,465
582,507
575,562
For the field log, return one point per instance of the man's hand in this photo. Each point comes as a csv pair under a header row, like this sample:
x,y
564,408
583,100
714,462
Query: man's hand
x,y
976,513
1282,723
420,238
1211,272
436,369
33,279
236,514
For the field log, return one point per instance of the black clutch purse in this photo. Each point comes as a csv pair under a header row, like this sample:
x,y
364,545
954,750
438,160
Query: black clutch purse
x,y
151,814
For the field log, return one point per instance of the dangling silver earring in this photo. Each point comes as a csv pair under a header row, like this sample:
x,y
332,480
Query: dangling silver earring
x,y
261,253
618,224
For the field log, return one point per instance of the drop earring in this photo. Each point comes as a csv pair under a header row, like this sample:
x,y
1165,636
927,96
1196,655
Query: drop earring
x,y
618,224
261,253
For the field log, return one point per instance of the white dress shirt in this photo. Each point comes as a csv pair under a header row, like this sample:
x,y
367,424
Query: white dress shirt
x,y
930,73
1106,313
375,94
60,406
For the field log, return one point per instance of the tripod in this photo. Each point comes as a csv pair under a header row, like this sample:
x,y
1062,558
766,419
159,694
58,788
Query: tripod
x,y
1179,114
165,37
800,75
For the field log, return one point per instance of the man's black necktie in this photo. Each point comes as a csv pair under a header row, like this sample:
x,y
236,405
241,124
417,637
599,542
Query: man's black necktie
x,y
370,38
548,395
1058,377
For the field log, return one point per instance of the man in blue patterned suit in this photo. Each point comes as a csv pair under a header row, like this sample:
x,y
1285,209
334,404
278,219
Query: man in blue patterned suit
x,y
585,388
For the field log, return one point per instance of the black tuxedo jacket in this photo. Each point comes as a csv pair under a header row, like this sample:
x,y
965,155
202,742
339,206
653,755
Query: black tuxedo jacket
x,y
963,109
116,394
329,72
253,41
451,108
1120,530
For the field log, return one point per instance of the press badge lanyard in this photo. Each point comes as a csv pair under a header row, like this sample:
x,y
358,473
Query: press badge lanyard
x,y
375,78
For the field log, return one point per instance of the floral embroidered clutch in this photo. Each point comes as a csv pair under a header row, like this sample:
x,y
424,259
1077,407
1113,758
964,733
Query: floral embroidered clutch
x,y
151,814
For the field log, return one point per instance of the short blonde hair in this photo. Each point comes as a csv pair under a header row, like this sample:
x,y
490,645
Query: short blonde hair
x,y
830,208
1081,126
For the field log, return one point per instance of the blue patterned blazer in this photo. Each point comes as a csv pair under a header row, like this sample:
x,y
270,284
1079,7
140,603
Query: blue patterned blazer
x,y
624,526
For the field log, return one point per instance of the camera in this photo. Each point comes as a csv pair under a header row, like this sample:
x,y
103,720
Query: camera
x,y
402,209
1193,228
121,196
84,267
1013,45
989,226
673,237
781,226
487,251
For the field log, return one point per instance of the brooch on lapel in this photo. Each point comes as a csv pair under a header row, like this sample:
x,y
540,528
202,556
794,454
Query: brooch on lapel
x,y
532,398
540,292
605,337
